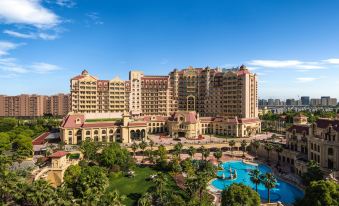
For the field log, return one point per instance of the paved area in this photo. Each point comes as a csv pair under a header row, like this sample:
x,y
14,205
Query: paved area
x,y
207,139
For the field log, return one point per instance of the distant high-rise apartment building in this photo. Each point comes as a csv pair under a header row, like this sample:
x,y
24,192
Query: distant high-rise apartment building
x,y
57,105
305,100
290,102
210,92
270,102
25,105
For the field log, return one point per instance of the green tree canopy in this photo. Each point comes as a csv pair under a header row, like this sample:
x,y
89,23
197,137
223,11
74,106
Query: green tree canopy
x,y
313,172
239,195
115,155
320,193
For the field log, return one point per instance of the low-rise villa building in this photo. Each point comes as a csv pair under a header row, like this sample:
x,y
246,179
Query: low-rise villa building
x,y
79,127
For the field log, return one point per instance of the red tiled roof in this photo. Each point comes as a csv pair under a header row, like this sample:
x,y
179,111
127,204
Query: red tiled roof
x,y
190,117
40,139
137,124
99,124
299,129
248,120
69,121
157,118
324,123
58,154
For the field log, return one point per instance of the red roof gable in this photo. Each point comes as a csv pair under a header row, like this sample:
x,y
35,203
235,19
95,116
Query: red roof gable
x,y
58,154
40,139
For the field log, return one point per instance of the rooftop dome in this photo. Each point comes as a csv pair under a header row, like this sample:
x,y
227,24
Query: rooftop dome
x,y
84,72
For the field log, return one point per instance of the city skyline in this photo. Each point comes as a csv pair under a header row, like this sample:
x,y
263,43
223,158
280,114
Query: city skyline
x,y
291,56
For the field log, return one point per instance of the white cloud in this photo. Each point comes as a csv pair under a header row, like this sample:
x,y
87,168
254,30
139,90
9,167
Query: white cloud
x,y
42,67
38,35
306,79
29,12
300,65
6,46
10,66
94,18
331,61
19,35
66,3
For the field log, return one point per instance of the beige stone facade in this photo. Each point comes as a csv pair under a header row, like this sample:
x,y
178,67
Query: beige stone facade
x,y
210,92
318,141
79,127
25,105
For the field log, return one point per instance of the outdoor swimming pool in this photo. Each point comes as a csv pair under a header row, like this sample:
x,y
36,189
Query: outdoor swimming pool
x,y
283,192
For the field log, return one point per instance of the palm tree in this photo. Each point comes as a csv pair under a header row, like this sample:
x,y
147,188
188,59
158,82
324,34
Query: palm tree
x,y
191,151
218,154
256,144
145,200
268,147
112,198
243,147
206,154
151,144
143,146
255,178
231,144
270,182
134,147
202,151
177,148
278,148
39,193
160,182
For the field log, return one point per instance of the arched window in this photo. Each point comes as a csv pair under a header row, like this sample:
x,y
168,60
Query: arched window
x,y
88,132
103,131
111,131
70,132
96,132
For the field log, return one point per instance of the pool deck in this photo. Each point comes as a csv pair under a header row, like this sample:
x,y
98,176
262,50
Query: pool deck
x,y
217,192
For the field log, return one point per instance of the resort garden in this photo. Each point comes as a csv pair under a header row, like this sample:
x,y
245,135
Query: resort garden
x,y
145,175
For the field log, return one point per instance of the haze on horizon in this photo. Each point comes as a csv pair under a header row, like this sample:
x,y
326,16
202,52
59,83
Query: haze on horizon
x,y
291,45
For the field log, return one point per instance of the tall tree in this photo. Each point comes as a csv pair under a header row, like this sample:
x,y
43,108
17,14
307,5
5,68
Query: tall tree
x,y
191,151
134,147
270,182
268,147
255,178
239,195
218,154
231,144
143,146
202,151
320,193
111,198
178,148
313,173
255,144
243,147
89,149
278,149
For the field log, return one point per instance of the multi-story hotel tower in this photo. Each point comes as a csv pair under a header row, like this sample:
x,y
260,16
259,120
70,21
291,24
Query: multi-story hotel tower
x,y
210,92
187,103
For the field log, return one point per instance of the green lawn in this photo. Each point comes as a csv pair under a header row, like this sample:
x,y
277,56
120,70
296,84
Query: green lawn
x,y
133,187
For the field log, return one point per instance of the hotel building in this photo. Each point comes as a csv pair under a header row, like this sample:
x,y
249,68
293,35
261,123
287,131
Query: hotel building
x,y
210,92
186,103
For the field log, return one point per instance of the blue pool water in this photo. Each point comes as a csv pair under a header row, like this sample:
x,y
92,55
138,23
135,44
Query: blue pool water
x,y
283,192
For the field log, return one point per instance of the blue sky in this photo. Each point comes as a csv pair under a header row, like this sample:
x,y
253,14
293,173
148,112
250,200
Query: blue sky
x,y
292,45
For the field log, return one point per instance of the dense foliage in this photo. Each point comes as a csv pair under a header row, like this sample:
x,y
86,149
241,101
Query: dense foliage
x,y
320,193
313,173
239,195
